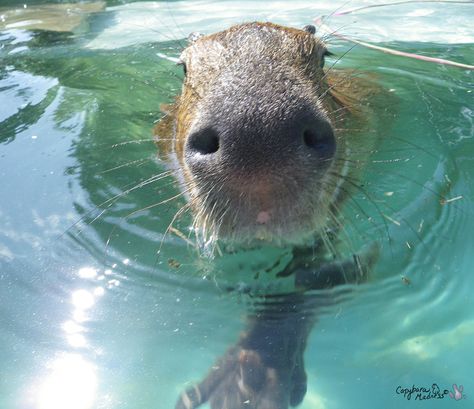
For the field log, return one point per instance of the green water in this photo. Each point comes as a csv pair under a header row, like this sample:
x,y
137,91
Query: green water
x,y
92,316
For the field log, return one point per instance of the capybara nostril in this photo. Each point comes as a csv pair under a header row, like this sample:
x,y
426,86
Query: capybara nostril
x,y
319,137
302,140
204,141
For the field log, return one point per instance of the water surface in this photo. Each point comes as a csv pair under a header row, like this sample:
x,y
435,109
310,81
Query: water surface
x,y
93,317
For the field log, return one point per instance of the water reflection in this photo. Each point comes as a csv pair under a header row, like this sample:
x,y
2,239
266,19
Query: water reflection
x,y
87,272
71,381
82,299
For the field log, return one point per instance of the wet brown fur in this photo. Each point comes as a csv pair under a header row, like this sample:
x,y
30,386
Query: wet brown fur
x,y
344,102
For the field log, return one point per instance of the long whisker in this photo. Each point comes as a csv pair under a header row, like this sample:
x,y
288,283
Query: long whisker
x,y
138,211
138,162
183,208
410,227
109,202
356,185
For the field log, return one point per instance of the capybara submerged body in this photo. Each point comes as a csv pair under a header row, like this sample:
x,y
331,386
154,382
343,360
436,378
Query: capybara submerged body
x,y
259,134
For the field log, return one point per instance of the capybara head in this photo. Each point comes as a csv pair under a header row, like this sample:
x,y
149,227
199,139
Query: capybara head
x,y
253,136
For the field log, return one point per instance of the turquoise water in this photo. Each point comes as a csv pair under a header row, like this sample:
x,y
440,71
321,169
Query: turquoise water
x,y
103,307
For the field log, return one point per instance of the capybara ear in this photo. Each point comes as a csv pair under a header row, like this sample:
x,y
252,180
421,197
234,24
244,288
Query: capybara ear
x,y
193,37
310,29
252,371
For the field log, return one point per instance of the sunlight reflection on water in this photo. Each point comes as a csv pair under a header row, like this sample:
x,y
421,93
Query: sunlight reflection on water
x,y
71,381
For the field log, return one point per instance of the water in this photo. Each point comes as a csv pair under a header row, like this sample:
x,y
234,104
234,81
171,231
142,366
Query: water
x,y
92,317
